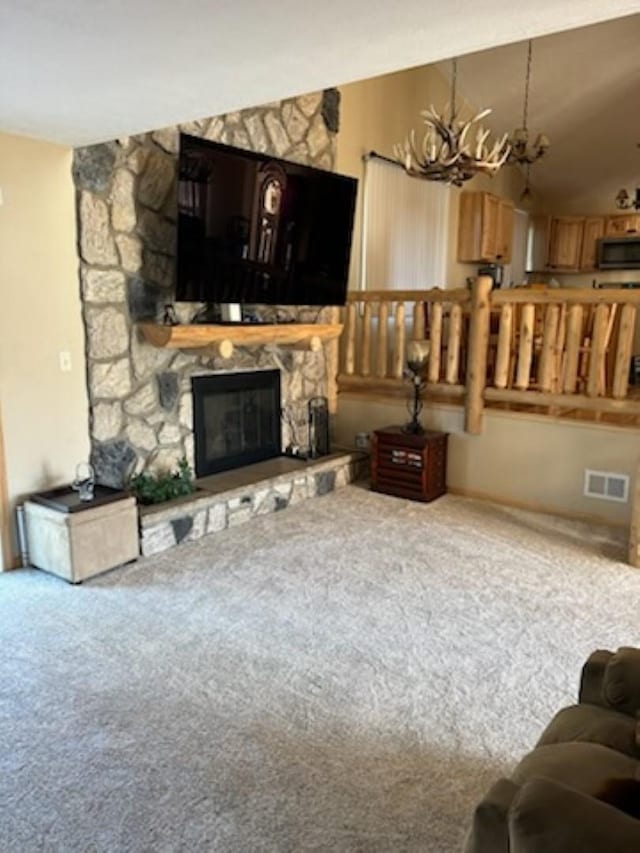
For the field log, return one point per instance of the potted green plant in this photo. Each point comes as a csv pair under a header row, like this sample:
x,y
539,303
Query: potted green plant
x,y
165,485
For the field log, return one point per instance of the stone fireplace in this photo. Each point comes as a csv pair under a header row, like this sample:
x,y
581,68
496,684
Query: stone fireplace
x,y
140,396
236,418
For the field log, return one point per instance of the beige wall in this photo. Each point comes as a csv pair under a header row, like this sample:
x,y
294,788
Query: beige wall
x,y
44,410
525,460
376,114
519,458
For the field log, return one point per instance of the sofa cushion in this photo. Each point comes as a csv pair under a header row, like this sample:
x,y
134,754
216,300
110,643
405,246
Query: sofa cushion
x,y
594,724
489,828
621,686
548,817
586,767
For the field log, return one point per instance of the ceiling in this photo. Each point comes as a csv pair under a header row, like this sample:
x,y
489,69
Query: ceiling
x,y
585,86
77,72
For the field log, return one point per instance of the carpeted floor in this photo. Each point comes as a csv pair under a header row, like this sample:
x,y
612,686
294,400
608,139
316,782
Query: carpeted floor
x,y
348,675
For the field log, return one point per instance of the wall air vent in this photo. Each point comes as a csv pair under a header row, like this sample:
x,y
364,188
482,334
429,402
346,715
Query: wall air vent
x,y
606,485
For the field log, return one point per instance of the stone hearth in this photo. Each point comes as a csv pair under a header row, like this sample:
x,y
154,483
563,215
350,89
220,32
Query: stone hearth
x,y
232,498
140,396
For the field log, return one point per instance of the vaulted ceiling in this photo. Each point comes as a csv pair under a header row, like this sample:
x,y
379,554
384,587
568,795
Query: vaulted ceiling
x,y
585,93
78,72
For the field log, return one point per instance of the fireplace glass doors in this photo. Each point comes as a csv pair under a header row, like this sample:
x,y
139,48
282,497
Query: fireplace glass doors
x,y
236,419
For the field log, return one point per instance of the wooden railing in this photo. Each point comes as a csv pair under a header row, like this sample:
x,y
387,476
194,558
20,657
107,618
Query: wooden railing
x,y
557,349
565,347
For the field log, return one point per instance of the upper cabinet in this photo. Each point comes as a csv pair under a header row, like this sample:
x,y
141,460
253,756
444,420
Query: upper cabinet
x,y
622,224
485,228
506,219
593,230
565,242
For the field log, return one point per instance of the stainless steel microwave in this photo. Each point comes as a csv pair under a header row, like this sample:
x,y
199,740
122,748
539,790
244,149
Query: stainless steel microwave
x,y
619,253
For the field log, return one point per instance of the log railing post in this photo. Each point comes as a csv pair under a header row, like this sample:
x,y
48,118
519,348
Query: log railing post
x,y
525,349
503,357
574,341
547,364
418,321
365,364
383,330
598,348
477,355
435,337
399,353
350,349
623,351
453,344
333,364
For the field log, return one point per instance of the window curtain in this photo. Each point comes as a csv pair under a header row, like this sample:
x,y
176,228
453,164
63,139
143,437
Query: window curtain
x,y
405,230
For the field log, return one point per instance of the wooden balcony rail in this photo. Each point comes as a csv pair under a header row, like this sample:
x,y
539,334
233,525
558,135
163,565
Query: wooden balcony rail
x,y
560,349
563,348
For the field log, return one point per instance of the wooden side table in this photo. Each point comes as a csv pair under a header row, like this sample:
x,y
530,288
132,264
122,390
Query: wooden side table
x,y
409,466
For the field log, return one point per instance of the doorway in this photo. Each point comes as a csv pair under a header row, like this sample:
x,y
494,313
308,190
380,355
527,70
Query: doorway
x,y
6,561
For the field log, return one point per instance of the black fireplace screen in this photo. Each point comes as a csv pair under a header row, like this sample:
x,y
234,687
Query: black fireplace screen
x,y
236,418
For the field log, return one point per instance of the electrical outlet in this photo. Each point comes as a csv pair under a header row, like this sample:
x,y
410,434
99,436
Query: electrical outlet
x,y
65,361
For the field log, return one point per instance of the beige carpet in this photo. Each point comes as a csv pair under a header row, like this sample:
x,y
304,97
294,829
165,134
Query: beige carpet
x,y
347,675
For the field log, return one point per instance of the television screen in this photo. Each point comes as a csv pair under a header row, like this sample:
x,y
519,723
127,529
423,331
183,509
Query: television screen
x,y
255,229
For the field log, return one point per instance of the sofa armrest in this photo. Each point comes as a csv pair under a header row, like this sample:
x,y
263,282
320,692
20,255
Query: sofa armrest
x,y
548,817
592,679
488,833
612,680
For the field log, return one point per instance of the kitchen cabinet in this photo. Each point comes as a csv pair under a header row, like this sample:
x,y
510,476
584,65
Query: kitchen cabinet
x,y
565,242
593,231
506,218
485,228
621,224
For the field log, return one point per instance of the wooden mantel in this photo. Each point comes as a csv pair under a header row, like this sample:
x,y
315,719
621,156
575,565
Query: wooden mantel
x,y
309,336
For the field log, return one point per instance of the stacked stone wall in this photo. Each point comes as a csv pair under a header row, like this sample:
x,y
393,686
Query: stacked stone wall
x,y
139,395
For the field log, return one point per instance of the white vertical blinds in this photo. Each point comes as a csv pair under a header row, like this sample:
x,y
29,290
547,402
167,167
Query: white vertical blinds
x,y
405,230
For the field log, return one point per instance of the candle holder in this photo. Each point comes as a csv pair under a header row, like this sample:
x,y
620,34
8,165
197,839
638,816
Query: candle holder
x,y
84,482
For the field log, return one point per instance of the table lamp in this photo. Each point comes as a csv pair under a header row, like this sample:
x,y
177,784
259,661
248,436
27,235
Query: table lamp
x,y
417,358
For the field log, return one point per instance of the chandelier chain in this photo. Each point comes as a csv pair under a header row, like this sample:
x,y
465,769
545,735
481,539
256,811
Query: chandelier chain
x,y
454,86
525,112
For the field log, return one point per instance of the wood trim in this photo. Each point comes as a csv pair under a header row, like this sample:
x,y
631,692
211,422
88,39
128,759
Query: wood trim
x,y
394,387
572,296
189,337
459,294
8,559
570,401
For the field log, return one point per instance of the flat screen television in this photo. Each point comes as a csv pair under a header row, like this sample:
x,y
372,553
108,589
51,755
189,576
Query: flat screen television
x,y
255,229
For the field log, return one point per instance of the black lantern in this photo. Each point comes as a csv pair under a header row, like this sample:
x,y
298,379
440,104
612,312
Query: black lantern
x,y
318,427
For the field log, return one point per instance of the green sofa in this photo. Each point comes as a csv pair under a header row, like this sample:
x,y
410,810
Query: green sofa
x,y
578,790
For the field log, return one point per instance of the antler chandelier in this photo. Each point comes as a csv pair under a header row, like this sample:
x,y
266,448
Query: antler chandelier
x,y
522,151
446,153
